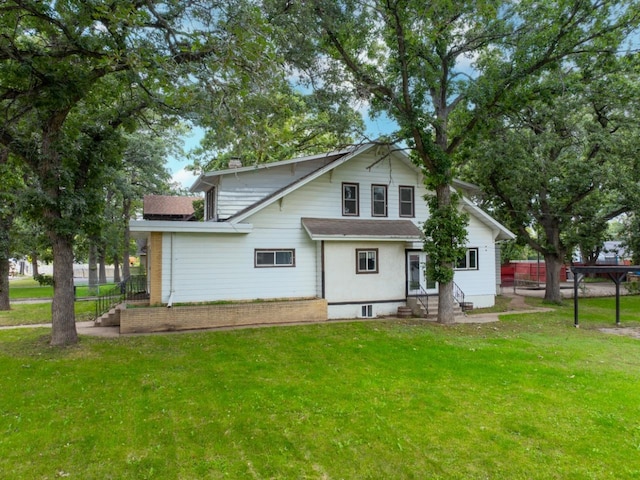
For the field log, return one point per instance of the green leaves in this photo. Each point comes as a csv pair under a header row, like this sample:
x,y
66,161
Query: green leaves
x,y
446,236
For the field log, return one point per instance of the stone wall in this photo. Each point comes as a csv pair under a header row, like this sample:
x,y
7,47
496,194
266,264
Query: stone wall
x,y
162,319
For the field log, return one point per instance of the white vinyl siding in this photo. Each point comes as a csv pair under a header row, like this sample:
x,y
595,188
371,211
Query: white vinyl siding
x,y
240,190
221,267
208,267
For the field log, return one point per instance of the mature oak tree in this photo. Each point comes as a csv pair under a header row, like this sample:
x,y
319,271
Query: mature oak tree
x,y
439,68
558,168
73,74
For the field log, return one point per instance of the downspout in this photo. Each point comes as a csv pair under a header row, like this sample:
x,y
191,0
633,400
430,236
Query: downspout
x,y
322,268
170,302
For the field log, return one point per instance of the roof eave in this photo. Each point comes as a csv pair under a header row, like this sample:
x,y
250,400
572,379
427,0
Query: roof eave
x,y
148,226
365,238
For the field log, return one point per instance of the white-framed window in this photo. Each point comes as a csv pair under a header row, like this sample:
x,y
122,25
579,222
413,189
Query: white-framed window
x,y
378,200
469,261
367,260
407,203
210,204
350,199
280,257
366,311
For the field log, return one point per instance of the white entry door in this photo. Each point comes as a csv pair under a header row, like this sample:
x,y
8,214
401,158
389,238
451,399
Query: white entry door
x,y
417,274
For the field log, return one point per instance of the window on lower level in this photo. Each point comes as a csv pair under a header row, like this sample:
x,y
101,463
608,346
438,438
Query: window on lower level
x,y
469,261
275,258
367,261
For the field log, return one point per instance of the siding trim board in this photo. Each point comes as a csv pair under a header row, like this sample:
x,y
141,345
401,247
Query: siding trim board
x,y
362,302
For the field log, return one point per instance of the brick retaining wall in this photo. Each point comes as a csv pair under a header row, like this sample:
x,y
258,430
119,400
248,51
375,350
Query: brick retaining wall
x,y
161,319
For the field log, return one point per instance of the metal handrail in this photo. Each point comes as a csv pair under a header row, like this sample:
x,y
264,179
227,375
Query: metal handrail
x,y
422,296
458,296
129,288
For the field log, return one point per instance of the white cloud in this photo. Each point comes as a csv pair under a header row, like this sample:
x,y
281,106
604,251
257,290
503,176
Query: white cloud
x,y
184,178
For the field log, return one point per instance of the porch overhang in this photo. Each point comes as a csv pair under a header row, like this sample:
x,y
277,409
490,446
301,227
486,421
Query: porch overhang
x,y
141,227
332,229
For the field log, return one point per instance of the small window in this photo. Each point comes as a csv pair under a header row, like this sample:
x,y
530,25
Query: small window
x,y
406,202
378,200
367,261
366,311
275,258
350,199
469,261
210,205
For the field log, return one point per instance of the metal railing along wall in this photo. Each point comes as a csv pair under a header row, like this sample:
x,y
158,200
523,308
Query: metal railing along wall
x,y
130,288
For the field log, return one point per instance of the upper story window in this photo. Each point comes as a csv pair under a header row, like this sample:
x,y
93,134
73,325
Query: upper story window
x,y
378,200
350,199
407,204
469,261
367,260
275,257
210,204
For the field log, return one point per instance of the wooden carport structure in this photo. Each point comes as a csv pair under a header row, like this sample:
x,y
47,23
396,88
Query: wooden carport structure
x,y
615,272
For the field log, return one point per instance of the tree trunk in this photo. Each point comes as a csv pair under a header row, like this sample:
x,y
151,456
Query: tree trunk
x,y
445,290
4,284
63,321
34,265
553,266
102,267
116,269
126,213
5,225
93,267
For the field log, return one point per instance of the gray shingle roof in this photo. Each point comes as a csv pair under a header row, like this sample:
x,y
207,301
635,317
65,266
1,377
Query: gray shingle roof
x,y
351,228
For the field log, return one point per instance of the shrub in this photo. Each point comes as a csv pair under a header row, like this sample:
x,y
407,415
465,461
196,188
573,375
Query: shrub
x,y
44,280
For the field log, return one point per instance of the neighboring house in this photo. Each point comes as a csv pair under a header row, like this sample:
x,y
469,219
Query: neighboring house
x,y
344,227
167,207
613,253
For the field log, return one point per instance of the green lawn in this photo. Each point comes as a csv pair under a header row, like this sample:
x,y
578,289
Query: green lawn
x,y
29,288
32,313
528,397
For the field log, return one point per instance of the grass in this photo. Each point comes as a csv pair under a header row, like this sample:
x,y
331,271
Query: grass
x,y
28,288
33,313
528,397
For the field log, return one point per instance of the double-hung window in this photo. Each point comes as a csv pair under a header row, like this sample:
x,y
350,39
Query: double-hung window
x,y
469,261
275,257
350,199
407,202
378,200
367,260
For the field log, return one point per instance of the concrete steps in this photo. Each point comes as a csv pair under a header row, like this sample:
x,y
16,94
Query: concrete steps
x,y
110,318
419,310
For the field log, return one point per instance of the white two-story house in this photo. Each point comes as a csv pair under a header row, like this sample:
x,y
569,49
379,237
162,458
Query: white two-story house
x,y
343,226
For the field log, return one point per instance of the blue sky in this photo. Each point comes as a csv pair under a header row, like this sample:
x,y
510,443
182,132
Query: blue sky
x,y
375,128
